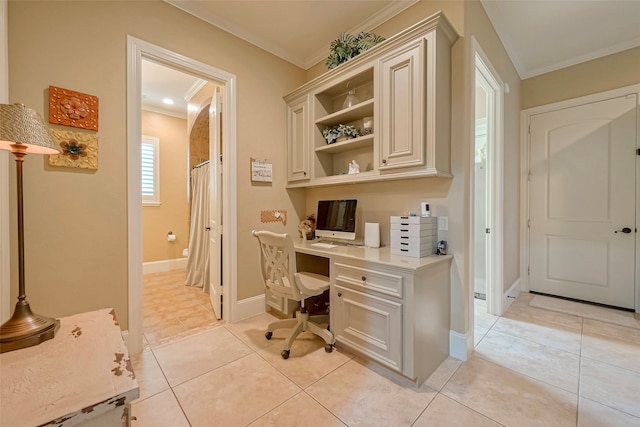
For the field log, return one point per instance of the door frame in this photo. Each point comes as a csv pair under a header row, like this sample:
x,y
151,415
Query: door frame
x,y
136,50
495,186
525,146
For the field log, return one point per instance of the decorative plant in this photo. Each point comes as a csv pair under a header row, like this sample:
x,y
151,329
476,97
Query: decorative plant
x,y
347,46
332,134
307,225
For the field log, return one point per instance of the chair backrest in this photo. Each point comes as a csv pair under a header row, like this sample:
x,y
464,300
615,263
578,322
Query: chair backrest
x,y
278,264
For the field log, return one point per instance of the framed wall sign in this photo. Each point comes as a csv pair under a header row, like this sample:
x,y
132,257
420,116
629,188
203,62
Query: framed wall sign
x,y
261,170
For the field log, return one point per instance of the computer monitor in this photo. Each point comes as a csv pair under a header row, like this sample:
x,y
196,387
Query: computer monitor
x,y
336,219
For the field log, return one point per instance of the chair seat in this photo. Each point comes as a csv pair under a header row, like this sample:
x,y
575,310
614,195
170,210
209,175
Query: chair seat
x,y
312,284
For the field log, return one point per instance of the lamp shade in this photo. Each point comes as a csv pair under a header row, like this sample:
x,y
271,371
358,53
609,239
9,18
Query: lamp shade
x,y
23,126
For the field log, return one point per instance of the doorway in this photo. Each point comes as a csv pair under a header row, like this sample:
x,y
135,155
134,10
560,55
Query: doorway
x,y
176,129
487,184
137,51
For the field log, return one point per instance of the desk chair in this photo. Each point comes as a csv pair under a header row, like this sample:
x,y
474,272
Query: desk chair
x,y
281,277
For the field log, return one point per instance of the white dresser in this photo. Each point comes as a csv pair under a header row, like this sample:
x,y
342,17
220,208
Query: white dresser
x,y
81,377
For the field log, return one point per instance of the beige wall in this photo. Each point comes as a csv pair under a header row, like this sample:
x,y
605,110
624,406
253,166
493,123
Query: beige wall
x,y
96,239
76,223
599,75
173,212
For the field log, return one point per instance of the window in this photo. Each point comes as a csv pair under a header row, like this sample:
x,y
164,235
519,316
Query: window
x,y
150,170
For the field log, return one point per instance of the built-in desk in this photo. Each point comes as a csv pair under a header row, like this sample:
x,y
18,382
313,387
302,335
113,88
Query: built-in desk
x,y
80,377
389,308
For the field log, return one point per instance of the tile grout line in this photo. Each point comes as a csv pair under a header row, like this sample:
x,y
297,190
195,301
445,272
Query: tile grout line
x,y
168,384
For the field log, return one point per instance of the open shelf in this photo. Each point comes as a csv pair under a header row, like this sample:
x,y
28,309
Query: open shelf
x,y
347,115
348,145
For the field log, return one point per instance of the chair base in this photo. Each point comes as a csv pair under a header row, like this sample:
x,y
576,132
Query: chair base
x,y
303,322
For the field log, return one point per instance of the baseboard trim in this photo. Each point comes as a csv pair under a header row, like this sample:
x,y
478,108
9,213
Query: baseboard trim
x,y
162,266
460,345
249,307
511,295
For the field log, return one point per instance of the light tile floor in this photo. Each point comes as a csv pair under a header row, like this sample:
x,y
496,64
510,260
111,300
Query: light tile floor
x,y
171,309
531,367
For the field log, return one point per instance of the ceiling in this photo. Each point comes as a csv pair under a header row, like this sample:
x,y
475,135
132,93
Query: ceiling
x,y
160,82
546,35
539,35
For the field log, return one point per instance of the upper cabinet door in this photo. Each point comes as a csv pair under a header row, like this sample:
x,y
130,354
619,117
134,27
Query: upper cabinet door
x,y
402,107
298,140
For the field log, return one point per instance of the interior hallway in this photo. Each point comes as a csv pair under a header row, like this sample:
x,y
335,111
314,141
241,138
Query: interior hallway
x,y
532,366
171,309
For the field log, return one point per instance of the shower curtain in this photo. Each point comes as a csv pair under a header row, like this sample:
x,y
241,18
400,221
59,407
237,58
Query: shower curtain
x,y
198,261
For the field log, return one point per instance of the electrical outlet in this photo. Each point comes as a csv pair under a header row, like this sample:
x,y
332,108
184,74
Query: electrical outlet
x,y
443,223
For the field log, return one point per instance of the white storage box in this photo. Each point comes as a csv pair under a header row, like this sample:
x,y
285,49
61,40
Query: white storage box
x,y
414,236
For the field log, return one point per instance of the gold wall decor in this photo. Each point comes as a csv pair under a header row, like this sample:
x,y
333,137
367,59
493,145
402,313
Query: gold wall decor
x,y
71,108
77,149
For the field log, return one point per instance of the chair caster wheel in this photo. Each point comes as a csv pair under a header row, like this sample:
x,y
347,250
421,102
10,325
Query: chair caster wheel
x,y
268,335
285,354
328,348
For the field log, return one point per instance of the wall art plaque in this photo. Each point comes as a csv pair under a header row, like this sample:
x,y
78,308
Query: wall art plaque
x,y
71,108
77,149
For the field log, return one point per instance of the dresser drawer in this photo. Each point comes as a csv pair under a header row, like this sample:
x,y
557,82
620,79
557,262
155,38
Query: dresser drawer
x,y
426,221
407,233
414,230
414,252
367,279
413,243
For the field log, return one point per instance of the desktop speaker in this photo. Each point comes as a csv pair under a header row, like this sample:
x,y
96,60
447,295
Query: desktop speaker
x,y
372,234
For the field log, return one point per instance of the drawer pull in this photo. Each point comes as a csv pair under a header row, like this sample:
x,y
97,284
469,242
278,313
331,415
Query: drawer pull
x,y
404,250
364,278
404,237
406,231
404,223
403,243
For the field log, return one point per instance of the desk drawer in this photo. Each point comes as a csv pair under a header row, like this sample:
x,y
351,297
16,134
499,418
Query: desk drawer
x,y
367,279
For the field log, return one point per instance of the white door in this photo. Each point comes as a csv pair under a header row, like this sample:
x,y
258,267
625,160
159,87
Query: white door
x,y
582,197
215,209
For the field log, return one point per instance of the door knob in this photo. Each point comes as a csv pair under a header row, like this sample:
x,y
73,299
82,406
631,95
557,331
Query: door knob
x,y
625,230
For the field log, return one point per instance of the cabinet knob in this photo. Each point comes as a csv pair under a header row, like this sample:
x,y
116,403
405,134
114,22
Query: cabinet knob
x,y
384,161
304,173
364,278
339,294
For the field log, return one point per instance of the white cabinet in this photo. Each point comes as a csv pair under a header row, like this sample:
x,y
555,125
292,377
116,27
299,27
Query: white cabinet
x,y
404,84
396,316
298,140
367,307
401,108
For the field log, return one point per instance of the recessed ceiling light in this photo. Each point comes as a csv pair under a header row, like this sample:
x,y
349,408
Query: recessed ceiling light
x,y
168,101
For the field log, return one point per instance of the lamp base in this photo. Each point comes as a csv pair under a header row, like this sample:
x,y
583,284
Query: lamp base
x,y
26,329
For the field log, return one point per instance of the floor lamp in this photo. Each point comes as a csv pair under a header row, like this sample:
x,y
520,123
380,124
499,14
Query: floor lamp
x,y
22,132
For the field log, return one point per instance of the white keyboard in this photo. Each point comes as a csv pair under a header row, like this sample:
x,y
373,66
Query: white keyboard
x,y
324,245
